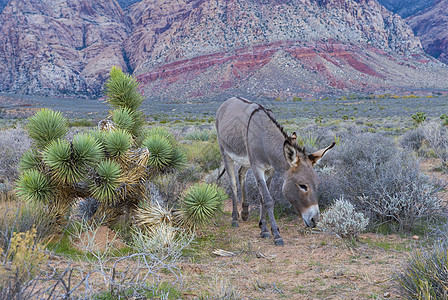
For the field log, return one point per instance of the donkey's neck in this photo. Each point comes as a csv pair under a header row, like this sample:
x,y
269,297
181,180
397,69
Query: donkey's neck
x,y
273,150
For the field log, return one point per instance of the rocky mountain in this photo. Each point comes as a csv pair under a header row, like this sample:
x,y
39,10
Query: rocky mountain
x,y
431,25
3,4
274,48
60,47
192,49
406,8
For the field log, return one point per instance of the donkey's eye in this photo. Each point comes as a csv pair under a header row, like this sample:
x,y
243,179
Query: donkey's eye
x,y
303,187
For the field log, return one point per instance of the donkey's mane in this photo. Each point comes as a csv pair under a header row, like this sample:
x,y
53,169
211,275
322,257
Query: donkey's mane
x,y
273,120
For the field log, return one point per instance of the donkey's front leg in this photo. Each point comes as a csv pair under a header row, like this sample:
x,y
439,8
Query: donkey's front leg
x,y
267,206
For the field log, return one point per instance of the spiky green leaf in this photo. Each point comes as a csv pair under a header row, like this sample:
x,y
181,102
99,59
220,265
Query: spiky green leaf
x,y
105,182
46,126
87,151
160,150
201,202
117,142
122,90
32,185
31,159
59,157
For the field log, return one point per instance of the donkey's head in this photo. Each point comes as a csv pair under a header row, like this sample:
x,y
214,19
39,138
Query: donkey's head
x,y
301,181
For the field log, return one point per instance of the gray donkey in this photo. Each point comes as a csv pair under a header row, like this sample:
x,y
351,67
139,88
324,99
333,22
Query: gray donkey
x,y
249,135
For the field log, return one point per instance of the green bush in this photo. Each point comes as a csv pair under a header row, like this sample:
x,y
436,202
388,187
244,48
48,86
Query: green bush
x,y
425,274
419,117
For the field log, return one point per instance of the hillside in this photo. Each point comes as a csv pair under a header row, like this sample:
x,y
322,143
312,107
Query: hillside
x,y
431,26
203,48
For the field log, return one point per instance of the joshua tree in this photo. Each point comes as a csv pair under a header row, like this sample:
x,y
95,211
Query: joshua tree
x,y
109,164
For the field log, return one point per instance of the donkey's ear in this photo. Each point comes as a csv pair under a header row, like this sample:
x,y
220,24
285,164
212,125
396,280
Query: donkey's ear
x,y
291,153
314,157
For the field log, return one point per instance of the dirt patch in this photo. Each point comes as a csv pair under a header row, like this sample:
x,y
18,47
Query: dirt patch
x,y
311,265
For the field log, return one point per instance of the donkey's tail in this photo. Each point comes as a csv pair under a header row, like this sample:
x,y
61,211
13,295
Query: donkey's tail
x,y
222,173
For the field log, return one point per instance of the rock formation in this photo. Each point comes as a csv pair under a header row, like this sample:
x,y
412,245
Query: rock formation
x,y
63,47
192,49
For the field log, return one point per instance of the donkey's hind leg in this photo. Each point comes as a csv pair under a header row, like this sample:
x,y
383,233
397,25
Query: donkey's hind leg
x,y
242,172
230,168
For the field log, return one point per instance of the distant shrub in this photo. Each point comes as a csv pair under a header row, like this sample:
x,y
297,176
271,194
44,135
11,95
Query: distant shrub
x,y
425,274
413,139
436,136
419,117
444,118
201,135
204,154
382,181
341,218
80,123
14,142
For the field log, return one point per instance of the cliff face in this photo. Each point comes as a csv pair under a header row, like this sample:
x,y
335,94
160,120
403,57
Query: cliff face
x,y
189,49
60,47
431,26
406,8
166,32
274,48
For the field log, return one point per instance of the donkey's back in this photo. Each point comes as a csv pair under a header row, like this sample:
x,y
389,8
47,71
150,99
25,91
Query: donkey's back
x,y
232,121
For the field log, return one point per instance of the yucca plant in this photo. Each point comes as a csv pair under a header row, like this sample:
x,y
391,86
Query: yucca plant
x,y
33,186
122,90
31,160
58,157
161,151
104,164
46,126
150,215
104,183
199,204
117,142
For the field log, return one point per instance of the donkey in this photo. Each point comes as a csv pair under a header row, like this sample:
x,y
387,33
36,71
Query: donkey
x,y
249,135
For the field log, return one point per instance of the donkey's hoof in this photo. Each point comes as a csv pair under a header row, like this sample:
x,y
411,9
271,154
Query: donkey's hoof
x,y
278,242
265,235
235,224
244,216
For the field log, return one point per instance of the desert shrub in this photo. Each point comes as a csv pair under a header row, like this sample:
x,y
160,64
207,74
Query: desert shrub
x,y
413,139
20,263
13,144
204,154
164,241
201,135
382,181
19,217
425,274
342,219
436,135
